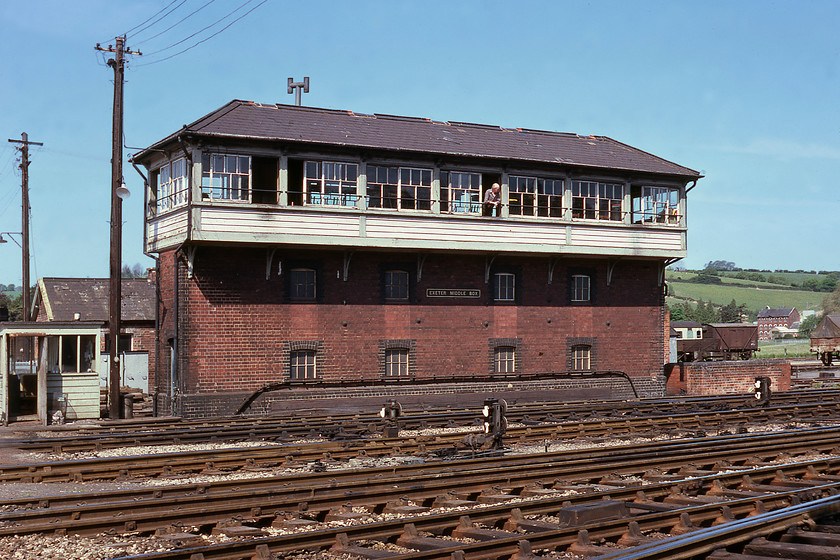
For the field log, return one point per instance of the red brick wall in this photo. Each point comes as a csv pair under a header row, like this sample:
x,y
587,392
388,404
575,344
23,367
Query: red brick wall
x,y
718,378
234,325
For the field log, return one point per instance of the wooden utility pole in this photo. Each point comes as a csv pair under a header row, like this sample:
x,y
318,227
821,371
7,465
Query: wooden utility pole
x,y
24,220
115,284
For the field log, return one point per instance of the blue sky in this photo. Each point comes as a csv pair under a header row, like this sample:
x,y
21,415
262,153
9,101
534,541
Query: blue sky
x,y
748,92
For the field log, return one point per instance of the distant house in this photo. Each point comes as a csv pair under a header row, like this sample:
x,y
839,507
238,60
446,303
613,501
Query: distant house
x,y
86,299
780,319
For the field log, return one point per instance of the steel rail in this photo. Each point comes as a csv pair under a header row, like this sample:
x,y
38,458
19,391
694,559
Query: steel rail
x,y
170,464
488,515
96,437
150,509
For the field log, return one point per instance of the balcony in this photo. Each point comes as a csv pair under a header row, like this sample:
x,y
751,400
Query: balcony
x,y
349,223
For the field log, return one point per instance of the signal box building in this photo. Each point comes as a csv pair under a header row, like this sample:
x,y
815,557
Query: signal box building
x,y
323,252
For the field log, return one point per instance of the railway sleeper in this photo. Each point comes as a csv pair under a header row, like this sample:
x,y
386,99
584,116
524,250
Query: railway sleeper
x,y
584,546
411,538
466,529
343,545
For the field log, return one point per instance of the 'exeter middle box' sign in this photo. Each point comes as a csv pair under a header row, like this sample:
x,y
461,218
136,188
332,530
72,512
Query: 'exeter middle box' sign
x,y
452,293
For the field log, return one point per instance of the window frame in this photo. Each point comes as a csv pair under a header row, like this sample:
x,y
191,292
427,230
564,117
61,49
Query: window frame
x,y
388,285
651,207
578,358
399,182
209,174
504,355
402,363
316,172
295,283
576,291
448,204
602,201
524,187
504,292
171,186
309,364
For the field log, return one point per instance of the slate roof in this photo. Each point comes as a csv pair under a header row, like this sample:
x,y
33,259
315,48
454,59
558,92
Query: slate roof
x,y
64,297
781,312
328,127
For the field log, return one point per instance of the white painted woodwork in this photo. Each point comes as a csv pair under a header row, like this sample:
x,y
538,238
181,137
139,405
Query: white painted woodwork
x,y
377,229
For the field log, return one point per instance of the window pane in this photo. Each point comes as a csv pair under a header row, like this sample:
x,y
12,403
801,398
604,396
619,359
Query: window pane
x,y
396,285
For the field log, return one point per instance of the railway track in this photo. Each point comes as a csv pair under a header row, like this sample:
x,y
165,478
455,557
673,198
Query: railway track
x,y
185,463
592,501
172,431
608,499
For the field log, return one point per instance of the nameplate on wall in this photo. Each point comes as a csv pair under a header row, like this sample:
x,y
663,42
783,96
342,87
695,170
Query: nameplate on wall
x,y
452,293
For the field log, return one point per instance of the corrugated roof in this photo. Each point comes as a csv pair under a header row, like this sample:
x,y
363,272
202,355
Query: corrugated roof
x,y
829,327
249,120
64,297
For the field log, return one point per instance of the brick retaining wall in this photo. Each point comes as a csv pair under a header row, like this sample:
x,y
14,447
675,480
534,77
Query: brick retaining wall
x,y
718,378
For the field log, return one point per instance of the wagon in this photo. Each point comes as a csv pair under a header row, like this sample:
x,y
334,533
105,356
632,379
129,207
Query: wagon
x,y
721,341
825,339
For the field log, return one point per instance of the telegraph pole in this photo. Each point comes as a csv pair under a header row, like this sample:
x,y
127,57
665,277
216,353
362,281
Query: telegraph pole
x,y
115,284
24,221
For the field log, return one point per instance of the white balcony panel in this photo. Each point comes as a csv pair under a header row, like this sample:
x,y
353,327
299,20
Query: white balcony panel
x,y
448,229
239,221
168,229
645,238
347,227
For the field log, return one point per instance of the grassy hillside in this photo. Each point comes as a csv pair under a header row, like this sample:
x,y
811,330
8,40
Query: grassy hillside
x,y
755,295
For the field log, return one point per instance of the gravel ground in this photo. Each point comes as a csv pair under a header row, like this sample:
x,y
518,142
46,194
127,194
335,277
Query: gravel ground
x,y
103,547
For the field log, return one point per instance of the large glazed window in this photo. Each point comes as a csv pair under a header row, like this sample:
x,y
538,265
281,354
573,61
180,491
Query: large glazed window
x,y
225,177
460,192
403,188
597,201
532,196
331,183
171,188
656,205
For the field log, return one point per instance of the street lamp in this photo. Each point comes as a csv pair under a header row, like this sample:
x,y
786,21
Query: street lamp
x,y
10,233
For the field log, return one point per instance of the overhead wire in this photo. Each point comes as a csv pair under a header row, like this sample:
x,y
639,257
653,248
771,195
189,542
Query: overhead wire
x,y
201,30
176,23
154,16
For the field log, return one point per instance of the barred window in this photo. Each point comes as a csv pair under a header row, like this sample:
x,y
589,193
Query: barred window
x,y
396,285
580,287
581,357
302,283
396,362
504,359
302,364
505,285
